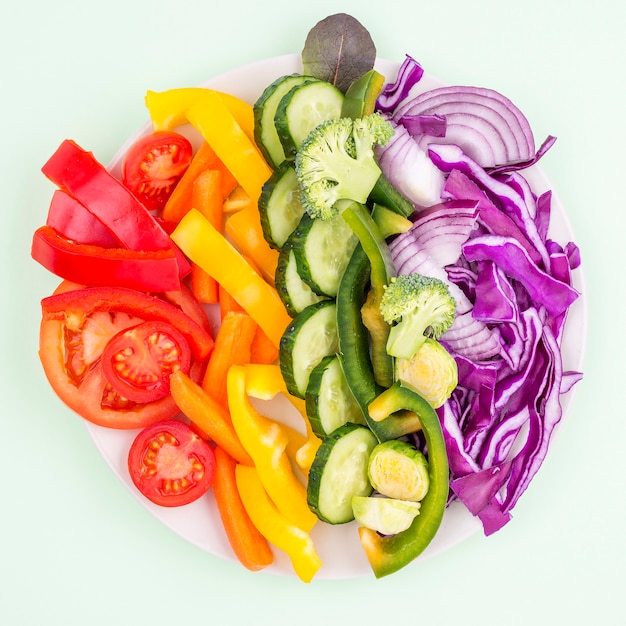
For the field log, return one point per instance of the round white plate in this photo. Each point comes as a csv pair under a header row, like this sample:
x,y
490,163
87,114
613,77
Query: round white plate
x,y
338,546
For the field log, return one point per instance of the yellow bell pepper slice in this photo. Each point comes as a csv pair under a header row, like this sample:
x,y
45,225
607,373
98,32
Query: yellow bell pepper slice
x,y
266,442
168,109
219,128
209,249
274,526
264,382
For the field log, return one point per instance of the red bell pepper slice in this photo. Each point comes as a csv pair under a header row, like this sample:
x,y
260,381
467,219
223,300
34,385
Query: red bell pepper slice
x,y
78,172
73,221
92,265
75,306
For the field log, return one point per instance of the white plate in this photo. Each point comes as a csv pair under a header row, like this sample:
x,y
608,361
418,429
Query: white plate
x,y
338,546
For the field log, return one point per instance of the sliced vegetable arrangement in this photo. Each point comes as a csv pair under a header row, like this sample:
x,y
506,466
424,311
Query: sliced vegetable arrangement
x,y
365,248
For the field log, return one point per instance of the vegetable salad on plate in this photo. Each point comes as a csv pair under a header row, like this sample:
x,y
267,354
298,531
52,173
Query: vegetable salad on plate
x,y
368,249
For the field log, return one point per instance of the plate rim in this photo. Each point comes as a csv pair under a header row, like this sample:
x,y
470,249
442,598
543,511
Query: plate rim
x,y
456,512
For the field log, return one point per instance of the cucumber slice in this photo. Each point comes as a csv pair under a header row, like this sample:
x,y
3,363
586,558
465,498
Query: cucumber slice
x,y
303,108
339,472
280,208
387,516
323,250
295,294
329,401
307,340
264,110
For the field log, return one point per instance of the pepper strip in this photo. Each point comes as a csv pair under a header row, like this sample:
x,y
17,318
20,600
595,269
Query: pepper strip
x,y
168,109
244,229
266,441
388,554
207,247
274,526
264,382
354,349
381,269
207,415
73,221
77,172
88,264
219,128
211,117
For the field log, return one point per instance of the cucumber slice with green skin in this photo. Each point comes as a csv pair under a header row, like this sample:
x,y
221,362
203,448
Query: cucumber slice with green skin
x,y
264,110
323,249
303,108
329,401
387,516
339,472
280,208
294,293
306,341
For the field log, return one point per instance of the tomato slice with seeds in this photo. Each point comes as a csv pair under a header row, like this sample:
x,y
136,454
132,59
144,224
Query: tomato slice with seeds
x,y
138,361
170,464
154,164
71,347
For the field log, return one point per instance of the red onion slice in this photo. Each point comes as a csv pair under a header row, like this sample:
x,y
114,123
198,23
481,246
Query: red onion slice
x,y
486,124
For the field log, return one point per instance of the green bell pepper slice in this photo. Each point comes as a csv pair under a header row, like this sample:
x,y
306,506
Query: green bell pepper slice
x,y
388,554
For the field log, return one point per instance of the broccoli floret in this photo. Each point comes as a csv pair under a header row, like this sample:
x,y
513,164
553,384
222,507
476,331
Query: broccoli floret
x,y
336,161
418,307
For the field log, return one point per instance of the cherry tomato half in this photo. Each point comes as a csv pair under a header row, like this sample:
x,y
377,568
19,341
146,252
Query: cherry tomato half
x,y
138,360
154,164
170,464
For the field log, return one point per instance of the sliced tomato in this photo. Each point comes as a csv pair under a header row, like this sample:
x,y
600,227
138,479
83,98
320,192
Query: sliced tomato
x,y
170,464
138,361
73,307
71,348
154,164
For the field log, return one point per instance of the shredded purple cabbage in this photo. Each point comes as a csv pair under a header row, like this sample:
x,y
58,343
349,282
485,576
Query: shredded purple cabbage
x,y
487,237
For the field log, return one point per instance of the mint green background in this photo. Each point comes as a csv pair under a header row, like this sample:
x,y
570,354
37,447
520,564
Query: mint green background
x,y
76,548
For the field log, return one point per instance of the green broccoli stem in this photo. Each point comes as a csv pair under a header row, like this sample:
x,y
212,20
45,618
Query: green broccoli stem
x,y
407,337
360,221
